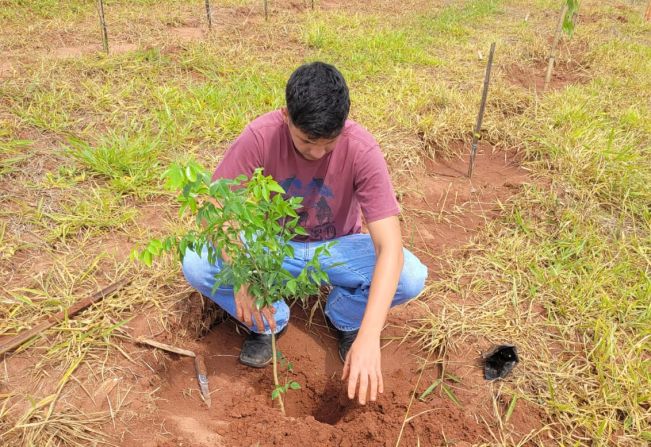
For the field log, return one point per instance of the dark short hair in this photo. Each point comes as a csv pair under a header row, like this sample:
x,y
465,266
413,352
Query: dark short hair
x,y
317,100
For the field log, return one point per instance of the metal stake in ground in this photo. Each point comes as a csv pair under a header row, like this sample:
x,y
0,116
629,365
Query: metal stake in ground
x,y
209,15
102,21
480,116
266,9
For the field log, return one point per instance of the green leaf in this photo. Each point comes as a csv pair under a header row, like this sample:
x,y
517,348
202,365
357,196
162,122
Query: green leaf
x,y
275,187
275,394
267,226
453,377
174,177
147,258
291,286
295,385
300,231
429,389
448,391
568,19
155,246
509,411
190,173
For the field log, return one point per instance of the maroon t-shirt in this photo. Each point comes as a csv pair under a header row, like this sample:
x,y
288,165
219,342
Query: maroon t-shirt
x,y
353,176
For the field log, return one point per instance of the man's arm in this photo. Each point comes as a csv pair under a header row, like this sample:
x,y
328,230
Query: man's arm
x,y
363,362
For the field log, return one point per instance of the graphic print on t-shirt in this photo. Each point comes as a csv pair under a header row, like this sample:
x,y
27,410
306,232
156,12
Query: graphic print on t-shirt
x,y
316,216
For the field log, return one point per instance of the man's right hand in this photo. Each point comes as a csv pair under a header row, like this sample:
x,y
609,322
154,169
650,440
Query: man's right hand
x,y
247,312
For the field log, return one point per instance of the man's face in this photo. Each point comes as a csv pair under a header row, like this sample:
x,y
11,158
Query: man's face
x,y
309,148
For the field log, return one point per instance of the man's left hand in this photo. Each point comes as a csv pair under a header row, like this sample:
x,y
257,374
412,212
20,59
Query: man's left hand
x,y
363,367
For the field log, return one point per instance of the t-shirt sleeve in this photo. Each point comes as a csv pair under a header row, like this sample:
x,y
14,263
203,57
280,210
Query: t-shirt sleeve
x,y
243,157
373,187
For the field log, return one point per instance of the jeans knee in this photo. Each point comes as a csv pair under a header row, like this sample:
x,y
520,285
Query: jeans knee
x,y
194,267
412,280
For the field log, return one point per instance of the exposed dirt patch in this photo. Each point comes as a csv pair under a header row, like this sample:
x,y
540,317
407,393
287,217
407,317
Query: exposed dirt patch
x,y
6,69
532,77
188,33
320,413
78,51
11,61
443,208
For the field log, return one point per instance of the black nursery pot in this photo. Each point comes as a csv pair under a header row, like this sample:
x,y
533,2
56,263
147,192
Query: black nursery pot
x,y
500,361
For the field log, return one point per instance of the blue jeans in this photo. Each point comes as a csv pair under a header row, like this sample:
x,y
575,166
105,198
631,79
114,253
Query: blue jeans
x,y
350,280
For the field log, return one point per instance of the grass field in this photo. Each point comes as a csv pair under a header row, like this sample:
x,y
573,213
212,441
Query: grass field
x,y
563,272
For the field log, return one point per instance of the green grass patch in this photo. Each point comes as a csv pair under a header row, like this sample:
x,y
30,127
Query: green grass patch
x,y
456,21
363,45
130,162
12,154
598,136
218,109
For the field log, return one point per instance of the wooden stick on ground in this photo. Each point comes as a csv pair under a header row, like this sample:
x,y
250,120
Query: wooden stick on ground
x,y
165,347
552,52
24,336
102,21
482,107
209,15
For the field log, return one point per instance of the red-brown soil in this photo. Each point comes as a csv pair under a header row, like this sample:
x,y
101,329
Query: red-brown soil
x,y
320,413
532,77
570,67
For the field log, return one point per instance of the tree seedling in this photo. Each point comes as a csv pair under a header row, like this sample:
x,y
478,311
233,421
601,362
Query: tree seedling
x,y
566,24
289,384
249,223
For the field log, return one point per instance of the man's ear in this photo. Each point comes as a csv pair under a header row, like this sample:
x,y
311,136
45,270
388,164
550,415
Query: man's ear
x,y
285,113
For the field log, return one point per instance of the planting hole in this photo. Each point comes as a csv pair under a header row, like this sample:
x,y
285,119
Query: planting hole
x,y
331,405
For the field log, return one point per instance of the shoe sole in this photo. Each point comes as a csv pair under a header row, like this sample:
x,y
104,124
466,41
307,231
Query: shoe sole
x,y
260,365
255,365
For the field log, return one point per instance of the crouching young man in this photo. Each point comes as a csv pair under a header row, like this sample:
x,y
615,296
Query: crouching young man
x,y
314,152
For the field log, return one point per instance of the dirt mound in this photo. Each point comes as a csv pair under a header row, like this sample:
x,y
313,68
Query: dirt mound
x,y
532,77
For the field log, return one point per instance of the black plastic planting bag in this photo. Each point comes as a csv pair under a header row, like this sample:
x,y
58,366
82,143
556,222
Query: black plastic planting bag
x,y
499,361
